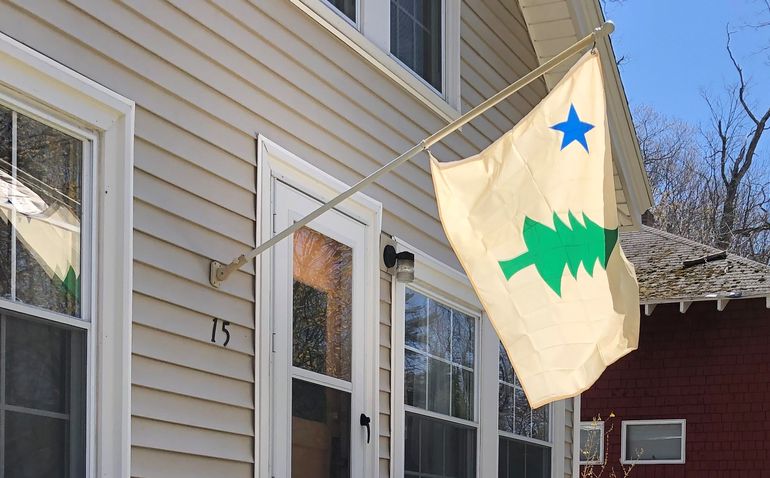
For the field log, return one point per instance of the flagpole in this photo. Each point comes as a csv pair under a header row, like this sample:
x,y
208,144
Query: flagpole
x,y
220,272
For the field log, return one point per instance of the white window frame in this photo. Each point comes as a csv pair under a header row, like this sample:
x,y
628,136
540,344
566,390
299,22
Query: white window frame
x,y
369,36
452,287
275,163
627,461
53,93
592,425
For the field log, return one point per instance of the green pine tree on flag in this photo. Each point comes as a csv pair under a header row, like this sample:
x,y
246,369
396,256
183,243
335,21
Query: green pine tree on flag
x,y
551,250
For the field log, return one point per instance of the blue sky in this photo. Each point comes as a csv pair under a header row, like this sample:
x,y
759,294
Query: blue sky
x,y
675,49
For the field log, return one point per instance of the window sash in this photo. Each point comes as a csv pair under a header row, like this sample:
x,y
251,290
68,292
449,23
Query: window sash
x,y
450,361
89,139
625,459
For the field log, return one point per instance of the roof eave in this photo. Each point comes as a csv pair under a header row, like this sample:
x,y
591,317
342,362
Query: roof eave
x,y
587,15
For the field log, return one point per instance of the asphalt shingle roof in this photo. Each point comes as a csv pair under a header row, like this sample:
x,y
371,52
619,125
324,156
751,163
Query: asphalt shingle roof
x,y
658,258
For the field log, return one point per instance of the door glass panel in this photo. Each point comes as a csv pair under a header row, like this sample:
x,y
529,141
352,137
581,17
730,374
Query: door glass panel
x,y
322,304
320,431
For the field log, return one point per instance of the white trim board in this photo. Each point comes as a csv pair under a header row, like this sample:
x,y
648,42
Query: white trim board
x,y
32,76
277,163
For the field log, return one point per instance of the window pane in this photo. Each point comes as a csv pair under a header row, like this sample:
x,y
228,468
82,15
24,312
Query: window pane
x,y
440,329
523,460
322,304
439,378
44,402
49,166
415,371
320,431
35,446
523,420
540,423
346,7
654,442
6,141
505,368
438,449
416,37
514,413
506,409
462,393
36,365
463,339
416,320
590,443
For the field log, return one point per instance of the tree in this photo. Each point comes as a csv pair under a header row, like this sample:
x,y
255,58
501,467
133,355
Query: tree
x,y
714,187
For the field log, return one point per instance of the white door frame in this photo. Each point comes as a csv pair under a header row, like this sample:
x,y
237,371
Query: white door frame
x,y
276,163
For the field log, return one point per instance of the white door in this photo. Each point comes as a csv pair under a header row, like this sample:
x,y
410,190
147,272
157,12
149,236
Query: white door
x,y
318,358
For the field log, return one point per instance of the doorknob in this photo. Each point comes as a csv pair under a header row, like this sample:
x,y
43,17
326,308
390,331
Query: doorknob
x,y
365,421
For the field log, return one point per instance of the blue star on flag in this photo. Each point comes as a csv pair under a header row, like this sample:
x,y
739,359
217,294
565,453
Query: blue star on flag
x,y
573,129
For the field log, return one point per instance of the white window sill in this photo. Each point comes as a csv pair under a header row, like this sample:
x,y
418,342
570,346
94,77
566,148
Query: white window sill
x,y
447,108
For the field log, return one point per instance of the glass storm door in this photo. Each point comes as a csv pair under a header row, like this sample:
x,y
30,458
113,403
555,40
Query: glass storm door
x,y
318,352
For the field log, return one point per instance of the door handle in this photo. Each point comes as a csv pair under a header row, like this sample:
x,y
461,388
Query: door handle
x,y
365,421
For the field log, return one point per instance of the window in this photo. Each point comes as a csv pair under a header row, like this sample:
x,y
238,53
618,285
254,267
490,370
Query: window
x,y
439,389
64,382
591,443
415,43
653,441
416,37
43,377
524,446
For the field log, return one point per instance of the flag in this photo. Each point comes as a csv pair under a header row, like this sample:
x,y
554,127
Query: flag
x,y
533,221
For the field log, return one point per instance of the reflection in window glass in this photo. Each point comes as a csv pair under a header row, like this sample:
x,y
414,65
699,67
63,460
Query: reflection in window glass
x,y
592,442
346,7
322,304
416,37
42,411
40,210
514,413
439,357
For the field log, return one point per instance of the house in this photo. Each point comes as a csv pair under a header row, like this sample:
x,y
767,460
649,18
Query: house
x,y
156,136
692,400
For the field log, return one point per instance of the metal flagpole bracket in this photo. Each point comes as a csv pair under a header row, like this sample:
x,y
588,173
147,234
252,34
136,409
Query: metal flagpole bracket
x,y
219,272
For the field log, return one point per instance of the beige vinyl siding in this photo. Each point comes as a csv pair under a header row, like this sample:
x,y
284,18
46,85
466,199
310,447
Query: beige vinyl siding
x,y
207,76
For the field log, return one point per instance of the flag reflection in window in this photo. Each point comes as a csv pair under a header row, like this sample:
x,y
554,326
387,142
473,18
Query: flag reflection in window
x,y
41,174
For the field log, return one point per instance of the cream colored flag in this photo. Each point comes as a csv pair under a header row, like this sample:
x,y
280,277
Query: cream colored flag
x,y
533,220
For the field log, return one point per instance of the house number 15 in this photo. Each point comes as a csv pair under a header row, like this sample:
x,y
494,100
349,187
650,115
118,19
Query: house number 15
x,y
224,329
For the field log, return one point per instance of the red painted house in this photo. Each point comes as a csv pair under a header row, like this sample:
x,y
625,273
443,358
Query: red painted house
x,y
694,399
